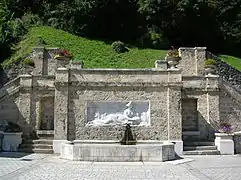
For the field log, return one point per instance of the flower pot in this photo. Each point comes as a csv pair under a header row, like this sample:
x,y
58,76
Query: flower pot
x,y
11,141
210,69
173,62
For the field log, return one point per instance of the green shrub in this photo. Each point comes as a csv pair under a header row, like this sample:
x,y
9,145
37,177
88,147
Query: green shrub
x,y
22,25
210,62
154,38
119,47
29,62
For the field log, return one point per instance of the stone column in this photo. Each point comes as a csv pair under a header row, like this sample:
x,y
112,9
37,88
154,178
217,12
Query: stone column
x,y
174,109
25,103
61,108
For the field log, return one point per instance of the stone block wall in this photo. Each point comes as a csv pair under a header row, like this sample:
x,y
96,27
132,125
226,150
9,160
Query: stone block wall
x,y
189,115
230,109
161,88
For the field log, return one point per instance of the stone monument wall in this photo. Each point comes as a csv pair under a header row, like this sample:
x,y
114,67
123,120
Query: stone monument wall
x,y
155,94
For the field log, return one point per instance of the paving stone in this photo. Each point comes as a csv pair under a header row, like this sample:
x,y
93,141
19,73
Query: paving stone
x,y
51,167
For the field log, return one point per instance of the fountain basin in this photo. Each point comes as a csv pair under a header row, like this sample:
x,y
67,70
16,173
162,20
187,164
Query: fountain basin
x,y
112,151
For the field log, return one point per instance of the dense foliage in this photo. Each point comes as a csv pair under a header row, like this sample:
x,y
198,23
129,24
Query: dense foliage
x,y
146,23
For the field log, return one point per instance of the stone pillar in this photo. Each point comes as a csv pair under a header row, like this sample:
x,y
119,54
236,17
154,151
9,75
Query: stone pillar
x,y
212,87
41,64
200,57
192,60
174,109
188,62
25,103
61,108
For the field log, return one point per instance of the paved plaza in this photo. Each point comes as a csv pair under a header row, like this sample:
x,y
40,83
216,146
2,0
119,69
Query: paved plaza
x,y
48,167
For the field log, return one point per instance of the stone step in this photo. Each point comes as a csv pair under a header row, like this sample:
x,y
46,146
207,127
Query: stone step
x,y
198,143
190,148
37,146
49,137
43,141
45,134
202,152
35,150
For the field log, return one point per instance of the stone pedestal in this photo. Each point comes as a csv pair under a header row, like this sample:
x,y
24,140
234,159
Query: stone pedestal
x,y
161,64
224,143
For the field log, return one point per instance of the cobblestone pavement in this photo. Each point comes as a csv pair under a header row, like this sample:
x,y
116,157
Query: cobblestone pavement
x,y
50,167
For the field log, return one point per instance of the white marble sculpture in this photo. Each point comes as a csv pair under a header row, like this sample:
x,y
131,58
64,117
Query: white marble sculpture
x,y
121,118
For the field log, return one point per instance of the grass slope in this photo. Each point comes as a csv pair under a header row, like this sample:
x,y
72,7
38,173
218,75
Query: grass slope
x,y
231,60
94,53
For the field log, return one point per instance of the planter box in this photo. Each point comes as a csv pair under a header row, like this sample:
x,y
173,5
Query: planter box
x,y
224,143
11,141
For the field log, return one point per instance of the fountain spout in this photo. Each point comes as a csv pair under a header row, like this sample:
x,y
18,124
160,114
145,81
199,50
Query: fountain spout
x,y
128,138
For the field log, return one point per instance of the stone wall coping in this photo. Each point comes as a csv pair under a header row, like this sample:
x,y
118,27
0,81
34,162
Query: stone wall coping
x,y
212,76
237,133
116,142
44,76
39,48
52,48
62,69
223,134
25,75
11,133
105,70
200,77
121,84
193,48
11,82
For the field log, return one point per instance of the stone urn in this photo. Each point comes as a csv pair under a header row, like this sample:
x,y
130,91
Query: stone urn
x,y
173,61
210,69
224,143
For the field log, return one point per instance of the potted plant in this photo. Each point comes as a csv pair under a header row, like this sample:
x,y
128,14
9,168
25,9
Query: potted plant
x,y
173,57
63,54
210,66
12,136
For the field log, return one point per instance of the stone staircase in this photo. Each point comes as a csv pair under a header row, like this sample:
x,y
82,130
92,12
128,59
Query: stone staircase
x,y
200,148
42,145
9,88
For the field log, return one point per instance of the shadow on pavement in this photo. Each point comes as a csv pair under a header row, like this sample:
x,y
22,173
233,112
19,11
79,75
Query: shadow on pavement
x,y
13,154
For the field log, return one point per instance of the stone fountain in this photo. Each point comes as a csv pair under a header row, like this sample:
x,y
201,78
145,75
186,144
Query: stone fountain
x,y
128,149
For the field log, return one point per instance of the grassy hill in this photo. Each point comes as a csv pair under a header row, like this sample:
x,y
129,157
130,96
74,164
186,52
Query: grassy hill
x,y
94,53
